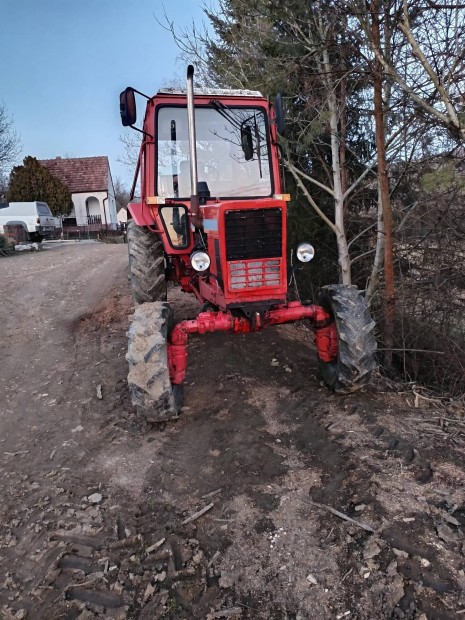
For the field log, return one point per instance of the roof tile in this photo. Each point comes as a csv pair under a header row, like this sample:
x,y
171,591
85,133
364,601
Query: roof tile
x,y
80,174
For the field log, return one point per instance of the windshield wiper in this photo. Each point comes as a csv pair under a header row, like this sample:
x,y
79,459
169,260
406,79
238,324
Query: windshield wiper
x,y
225,113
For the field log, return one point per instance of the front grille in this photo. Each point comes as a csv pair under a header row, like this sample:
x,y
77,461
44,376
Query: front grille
x,y
253,233
254,273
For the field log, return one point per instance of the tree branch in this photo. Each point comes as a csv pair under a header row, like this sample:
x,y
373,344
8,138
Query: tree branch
x,y
295,173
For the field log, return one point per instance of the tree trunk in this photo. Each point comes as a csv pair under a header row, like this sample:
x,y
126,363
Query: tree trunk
x,y
343,250
373,280
343,120
389,289
342,246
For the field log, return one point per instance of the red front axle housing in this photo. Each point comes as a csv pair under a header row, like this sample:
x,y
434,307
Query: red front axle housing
x,y
325,331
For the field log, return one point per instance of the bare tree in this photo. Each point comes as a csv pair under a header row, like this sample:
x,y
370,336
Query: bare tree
x,y
318,40
416,51
121,194
131,142
384,190
429,214
432,70
10,146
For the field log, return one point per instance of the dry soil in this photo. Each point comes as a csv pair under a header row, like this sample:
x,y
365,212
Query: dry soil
x,y
93,500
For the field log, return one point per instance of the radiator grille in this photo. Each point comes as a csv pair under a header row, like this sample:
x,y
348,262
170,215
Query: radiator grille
x,y
253,233
254,273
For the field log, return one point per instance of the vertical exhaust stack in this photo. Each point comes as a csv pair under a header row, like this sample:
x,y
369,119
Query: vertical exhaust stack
x,y
195,211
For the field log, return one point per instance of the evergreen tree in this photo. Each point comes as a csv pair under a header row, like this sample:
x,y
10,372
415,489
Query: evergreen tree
x,y
31,182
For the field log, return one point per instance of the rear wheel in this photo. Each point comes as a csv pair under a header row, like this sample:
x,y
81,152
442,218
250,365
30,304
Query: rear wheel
x,y
36,237
146,264
153,395
355,361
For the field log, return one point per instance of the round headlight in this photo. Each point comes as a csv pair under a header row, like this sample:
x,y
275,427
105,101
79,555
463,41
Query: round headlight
x,y
200,261
305,252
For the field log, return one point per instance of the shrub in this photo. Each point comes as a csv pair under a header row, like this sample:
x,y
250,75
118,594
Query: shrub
x,y
6,246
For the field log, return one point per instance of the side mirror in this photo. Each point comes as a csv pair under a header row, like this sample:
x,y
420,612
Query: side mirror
x,y
127,107
247,142
279,114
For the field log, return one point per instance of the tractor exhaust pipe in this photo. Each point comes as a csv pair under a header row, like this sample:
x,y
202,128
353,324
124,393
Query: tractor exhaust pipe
x,y
195,211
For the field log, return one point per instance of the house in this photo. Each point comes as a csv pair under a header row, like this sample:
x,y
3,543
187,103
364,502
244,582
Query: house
x,y
90,184
123,216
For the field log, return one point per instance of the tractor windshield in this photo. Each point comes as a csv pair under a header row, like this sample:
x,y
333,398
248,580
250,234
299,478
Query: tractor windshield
x,y
232,152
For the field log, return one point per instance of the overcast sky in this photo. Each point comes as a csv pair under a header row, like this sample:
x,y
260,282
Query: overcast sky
x,y
64,63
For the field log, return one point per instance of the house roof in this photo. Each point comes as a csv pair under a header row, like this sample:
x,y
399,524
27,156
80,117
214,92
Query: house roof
x,y
80,174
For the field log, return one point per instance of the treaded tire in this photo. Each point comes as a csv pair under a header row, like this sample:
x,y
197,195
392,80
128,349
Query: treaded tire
x,y
146,264
149,382
356,360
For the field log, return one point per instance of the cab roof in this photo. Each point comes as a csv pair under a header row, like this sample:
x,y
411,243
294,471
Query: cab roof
x,y
213,92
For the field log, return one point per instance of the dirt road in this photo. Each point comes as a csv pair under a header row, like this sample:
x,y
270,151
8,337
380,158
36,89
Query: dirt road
x,y
94,500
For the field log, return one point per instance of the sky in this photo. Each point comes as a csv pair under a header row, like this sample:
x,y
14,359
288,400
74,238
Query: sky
x,y
65,63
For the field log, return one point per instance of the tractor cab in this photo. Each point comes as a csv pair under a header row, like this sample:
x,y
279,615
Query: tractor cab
x,y
211,185
234,157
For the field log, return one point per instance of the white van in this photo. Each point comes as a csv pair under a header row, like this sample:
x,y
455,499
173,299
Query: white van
x,y
35,217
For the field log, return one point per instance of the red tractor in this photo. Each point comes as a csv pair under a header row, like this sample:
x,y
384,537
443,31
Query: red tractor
x,y
212,218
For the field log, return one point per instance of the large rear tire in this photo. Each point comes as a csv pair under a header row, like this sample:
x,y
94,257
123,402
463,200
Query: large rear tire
x,y
149,382
146,264
356,360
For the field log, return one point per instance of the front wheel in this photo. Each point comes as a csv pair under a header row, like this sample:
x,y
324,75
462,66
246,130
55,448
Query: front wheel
x,y
355,361
153,395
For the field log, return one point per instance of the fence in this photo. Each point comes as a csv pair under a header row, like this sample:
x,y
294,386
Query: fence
x,y
89,231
